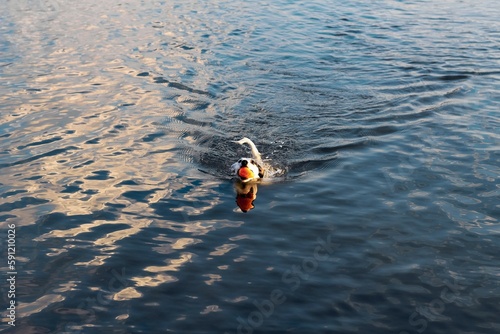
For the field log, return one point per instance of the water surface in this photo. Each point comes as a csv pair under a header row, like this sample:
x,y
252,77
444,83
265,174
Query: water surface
x,y
116,138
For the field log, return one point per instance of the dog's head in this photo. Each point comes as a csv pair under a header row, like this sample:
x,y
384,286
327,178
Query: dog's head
x,y
247,169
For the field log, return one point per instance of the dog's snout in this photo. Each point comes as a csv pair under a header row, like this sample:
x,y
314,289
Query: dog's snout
x,y
244,163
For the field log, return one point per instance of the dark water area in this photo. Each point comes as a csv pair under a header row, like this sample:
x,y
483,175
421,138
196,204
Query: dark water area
x,y
380,123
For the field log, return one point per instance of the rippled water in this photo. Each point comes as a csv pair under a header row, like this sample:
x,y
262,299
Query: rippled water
x,y
116,135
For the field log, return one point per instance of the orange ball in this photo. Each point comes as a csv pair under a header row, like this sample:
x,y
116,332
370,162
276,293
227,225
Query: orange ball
x,y
246,173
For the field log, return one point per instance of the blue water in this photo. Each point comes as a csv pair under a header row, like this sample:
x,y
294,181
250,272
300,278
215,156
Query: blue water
x,y
380,120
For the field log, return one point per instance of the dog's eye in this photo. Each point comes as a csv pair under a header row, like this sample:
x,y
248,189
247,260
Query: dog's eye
x,y
253,162
239,161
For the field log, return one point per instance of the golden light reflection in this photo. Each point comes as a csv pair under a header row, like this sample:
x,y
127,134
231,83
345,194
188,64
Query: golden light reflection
x,y
174,264
98,260
221,250
127,294
93,138
212,278
160,276
182,243
111,239
204,227
170,245
72,231
154,280
67,286
27,309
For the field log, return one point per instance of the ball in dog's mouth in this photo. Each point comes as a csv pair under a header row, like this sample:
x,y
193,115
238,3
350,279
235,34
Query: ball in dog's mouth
x,y
245,173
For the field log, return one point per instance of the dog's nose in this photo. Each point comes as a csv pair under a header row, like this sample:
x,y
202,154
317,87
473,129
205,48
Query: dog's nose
x,y
244,163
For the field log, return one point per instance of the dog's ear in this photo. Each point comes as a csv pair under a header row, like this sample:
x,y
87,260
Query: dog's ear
x,y
261,171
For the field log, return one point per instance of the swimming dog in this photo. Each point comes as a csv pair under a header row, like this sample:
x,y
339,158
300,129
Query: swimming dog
x,y
248,169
